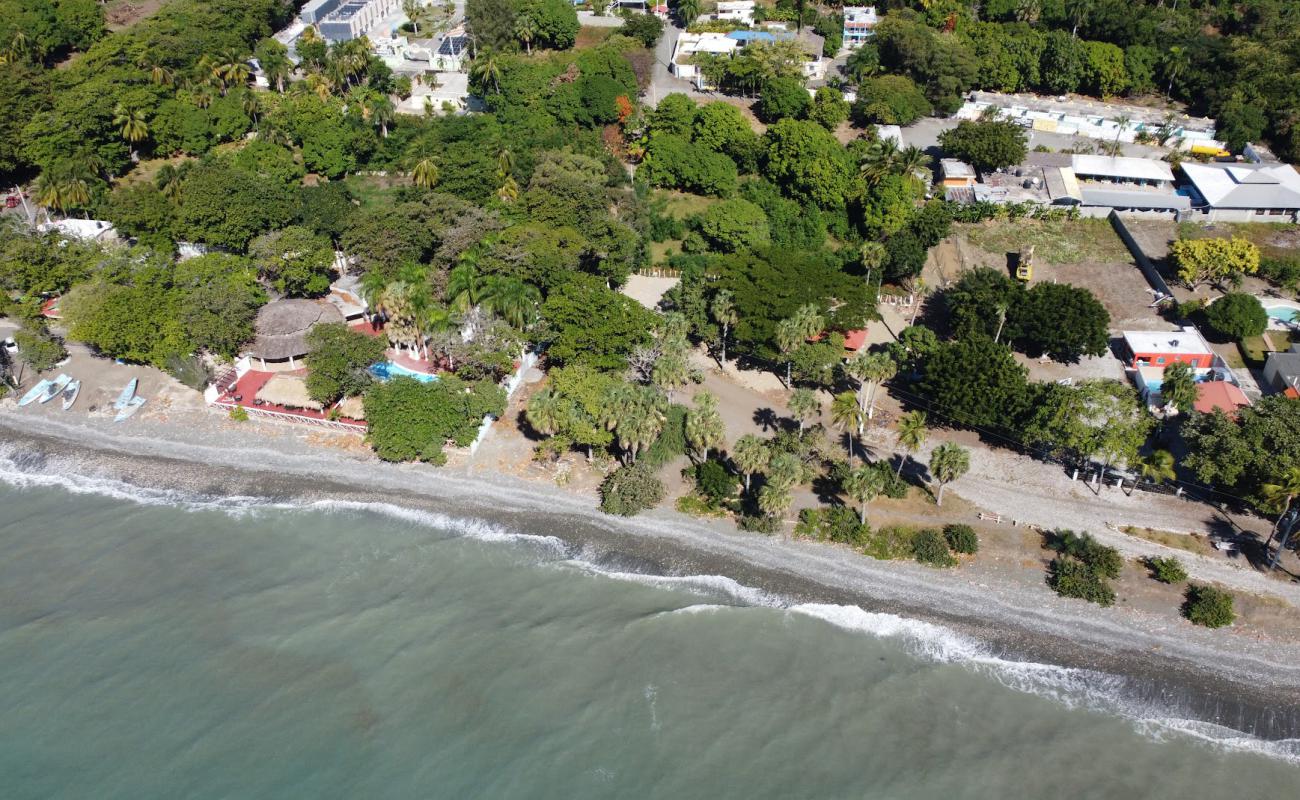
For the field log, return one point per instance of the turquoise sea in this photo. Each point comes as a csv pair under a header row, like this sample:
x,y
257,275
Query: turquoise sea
x,y
154,648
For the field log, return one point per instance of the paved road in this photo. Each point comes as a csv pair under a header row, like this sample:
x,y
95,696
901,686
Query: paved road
x,y
925,135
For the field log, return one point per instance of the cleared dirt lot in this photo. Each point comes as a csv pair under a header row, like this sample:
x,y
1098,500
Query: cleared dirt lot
x,y
1084,253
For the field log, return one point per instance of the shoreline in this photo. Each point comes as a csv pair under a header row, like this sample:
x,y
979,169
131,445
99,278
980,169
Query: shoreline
x,y
1209,677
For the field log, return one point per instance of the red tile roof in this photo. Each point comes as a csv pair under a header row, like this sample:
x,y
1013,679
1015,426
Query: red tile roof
x,y
1221,395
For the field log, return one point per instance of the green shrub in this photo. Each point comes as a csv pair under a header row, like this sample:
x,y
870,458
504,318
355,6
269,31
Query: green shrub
x,y
962,539
759,523
1208,606
833,524
715,482
1105,561
239,414
1073,578
671,442
39,348
629,490
697,506
1237,316
889,542
1166,570
930,547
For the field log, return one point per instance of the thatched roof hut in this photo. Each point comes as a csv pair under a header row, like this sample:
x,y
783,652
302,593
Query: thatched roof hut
x,y
282,327
353,408
289,391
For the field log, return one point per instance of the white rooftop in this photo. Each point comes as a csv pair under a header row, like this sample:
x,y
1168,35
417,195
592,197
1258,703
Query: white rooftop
x,y
1143,169
87,230
1246,185
952,168
1187,341
689,43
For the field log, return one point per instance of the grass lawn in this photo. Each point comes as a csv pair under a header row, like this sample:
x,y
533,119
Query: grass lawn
x,y
1274,239
589,37
1063,242
372,190
1191,542
682,205
1255,349
660,251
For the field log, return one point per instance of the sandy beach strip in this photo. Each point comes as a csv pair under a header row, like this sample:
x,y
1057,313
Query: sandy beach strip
x,y
1213,676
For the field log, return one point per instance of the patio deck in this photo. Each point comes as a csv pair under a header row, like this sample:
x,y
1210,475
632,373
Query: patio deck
x,y
243,393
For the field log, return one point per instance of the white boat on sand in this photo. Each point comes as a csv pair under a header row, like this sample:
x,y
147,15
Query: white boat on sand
x,y
126,395
35,392
130,408
70,394
56,386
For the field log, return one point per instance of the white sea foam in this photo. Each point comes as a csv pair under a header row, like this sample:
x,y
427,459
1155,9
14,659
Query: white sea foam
x,y
1070,686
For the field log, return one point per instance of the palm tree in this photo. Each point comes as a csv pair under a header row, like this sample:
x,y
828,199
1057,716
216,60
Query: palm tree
x,y
413,9
863,485
1157,467
1122,121
425,174
636,415
750,455
382,113
168,181
911,435
1281,495
487,67
321,85
704,428
948,462
878,161
230,69
723,309
847,415
670,373
48,192
509,191
913,164
1178,386
505,163
132,125
788,338
870,370
773,500
251,104
526,31
547,412
872,255
201,96
803,406
512,299
687,11
465,287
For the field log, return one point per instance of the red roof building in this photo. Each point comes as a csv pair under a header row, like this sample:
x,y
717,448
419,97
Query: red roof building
x,y
1220,395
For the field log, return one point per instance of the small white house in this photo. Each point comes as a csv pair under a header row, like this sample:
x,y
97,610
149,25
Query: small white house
x,y
736,11
83,230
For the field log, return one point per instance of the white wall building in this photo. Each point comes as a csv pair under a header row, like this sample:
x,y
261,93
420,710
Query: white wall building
x,y
85,230
691,44
736,11
352,18
859,25
1243,192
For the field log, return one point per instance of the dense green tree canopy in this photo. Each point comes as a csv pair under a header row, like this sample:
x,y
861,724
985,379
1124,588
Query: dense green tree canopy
x,y
338,361
592,325
974,382
413,421
985,144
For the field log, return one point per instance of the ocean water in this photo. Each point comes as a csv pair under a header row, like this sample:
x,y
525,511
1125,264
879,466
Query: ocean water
x,y
157,648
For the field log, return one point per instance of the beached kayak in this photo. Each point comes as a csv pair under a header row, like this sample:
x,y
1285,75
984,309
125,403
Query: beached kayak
x,y
57,385
70,394
131,407
126,395
35,392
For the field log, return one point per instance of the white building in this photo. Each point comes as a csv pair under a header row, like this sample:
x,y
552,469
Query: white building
x,y
736,11
859,25
452,88
1243,192
84,230
351,19
690,45
1094,119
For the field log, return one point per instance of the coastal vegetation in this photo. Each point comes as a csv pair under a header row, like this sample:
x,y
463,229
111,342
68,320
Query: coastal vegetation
x,y
1208,606
1083,567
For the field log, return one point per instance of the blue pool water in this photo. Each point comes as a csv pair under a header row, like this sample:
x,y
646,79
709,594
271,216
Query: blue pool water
x,y
387,369
1284,313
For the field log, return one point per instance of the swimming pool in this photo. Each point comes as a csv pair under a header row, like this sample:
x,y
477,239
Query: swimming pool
x,y
388,369
1284,311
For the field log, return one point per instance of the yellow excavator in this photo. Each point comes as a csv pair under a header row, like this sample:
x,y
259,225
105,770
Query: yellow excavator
x,y
1025,264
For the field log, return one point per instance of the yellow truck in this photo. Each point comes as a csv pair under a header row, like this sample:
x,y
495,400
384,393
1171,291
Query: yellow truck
x,y
1025,264
1211,150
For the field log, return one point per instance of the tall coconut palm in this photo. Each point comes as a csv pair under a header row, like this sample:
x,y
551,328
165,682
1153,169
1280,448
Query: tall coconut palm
x,y
547,412
749,455
466,288
425,173
131,124
487,69
948,462
505,163
878,161
913,163
512,299
723,310
1281,495
687,11
509,190
803,406
704,428
382,113
872,256
788,338
526,31
848,416
670,373
251,104
201,96
636,415
230,69
168,180
1157,467
911,435
48,192
863,485
414,11
870,370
